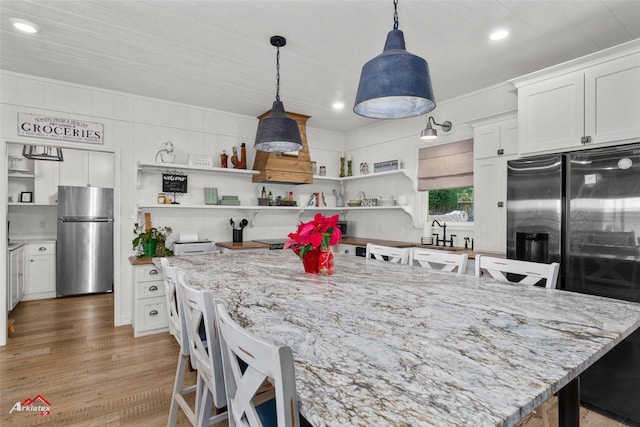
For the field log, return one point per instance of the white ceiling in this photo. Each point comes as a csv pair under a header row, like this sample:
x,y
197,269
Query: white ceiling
x,y
217,54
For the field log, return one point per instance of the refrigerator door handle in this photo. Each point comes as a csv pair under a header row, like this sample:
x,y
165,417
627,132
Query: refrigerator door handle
x,y
86,219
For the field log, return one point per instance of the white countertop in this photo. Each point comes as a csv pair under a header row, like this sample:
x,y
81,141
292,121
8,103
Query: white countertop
x,y
381,344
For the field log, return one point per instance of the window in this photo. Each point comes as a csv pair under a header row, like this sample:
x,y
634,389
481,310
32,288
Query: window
x,y
446,172
456,203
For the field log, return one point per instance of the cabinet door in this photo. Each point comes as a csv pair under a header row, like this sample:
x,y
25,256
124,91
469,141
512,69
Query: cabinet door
x,y
16,274
486,141
22,273
490,204
551,114
100,169
509,137
42,274
74,168
12,281
45,183
612,100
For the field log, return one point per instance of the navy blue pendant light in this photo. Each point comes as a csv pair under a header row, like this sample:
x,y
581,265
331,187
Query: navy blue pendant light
x,y
277,132
396,83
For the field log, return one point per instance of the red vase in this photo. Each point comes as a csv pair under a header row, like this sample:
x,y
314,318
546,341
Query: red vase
x,y
318,261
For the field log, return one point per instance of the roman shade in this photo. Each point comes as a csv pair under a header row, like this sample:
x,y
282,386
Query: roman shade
x,y
446,166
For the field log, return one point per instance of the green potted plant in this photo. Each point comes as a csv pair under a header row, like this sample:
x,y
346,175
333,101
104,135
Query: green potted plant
x,y
151,242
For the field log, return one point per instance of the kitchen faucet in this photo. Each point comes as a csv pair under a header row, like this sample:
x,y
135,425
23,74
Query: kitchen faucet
x,y
444,234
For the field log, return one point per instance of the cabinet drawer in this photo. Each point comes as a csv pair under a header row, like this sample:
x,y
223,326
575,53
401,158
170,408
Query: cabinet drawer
x,y
148,273
151,314
42,248
150,289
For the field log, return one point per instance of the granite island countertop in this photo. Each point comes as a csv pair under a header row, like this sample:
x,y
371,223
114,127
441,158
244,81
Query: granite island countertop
x,y
387,344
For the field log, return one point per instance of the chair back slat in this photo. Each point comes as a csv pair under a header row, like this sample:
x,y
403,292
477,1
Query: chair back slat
x,y
261,361
439,260
390,254
523,272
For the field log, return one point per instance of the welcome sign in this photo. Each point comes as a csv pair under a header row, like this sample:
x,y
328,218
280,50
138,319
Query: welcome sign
x,y
60,128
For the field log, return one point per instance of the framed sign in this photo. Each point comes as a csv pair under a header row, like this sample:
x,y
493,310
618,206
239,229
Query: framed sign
x,y
389,165
26,197
174,183
202,161
60,128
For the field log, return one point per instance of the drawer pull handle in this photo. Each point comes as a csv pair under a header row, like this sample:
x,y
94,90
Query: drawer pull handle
x,y
153,313
42,249
154,271
153,288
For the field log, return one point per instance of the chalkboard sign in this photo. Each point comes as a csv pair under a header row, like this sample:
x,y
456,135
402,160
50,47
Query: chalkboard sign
x,y
173,183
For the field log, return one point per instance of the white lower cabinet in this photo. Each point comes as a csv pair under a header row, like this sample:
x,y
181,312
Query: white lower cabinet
x,y
16,273
41,266
149,305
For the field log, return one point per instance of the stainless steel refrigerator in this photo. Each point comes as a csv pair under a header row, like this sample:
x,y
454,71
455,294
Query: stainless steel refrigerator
x,y
582,209
84,247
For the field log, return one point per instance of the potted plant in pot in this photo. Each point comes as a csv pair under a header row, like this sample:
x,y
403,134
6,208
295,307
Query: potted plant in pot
x,y
151,242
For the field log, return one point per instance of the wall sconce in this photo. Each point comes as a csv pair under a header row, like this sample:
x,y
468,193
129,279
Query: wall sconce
x,y
429,133
42,152
166,153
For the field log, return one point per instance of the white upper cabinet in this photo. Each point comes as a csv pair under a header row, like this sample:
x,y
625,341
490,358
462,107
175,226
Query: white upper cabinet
x,y
82,168
612,100
74,169
551,114
495,139
45,182
594,103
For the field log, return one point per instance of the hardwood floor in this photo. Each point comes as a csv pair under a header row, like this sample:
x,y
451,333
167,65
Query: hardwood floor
x,y
94,374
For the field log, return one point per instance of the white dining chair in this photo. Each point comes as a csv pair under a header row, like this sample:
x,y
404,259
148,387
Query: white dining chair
x,y
524,273
248,363
178,328
388,253
170,279
439,260
528,273
199,313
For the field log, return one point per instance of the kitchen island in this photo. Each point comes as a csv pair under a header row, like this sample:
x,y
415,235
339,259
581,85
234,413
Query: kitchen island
x,y
387,344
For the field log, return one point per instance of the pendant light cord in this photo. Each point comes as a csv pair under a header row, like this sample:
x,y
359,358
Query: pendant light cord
x,y
278,74
395,14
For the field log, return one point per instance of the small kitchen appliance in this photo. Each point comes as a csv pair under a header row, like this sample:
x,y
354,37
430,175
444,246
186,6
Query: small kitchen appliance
x,y
342,225
193,248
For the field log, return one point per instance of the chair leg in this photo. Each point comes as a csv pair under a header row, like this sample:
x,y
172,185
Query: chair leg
x,y
177,398
204,411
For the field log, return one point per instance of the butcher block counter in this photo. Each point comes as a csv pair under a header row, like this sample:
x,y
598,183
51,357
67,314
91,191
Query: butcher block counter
x,y
362,241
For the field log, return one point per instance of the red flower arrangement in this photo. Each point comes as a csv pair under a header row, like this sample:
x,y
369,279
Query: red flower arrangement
x,y
312,239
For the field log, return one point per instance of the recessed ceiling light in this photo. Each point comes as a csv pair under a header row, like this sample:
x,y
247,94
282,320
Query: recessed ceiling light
x,y
338,105
24,26
499,34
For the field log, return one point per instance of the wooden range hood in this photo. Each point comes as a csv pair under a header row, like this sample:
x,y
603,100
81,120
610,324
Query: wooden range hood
x,y
285,168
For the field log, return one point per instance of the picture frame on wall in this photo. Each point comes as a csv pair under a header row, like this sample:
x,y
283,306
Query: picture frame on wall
x,y
26,197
